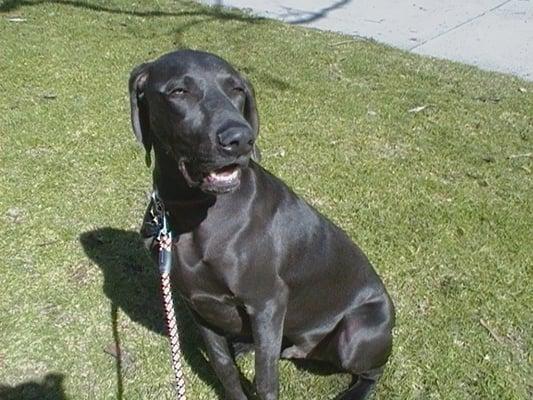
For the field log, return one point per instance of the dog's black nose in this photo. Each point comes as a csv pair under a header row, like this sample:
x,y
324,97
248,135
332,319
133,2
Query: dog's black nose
x,y
236,141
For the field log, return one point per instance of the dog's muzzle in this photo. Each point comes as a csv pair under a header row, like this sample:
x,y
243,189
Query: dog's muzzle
x,y
216,181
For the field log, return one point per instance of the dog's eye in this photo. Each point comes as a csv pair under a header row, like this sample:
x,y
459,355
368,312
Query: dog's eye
x,y
179,91
238,89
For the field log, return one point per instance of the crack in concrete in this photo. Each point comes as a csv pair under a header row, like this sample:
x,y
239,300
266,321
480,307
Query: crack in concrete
x,y
453,28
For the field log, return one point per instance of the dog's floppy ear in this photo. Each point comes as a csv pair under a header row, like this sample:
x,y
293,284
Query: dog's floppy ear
x,y
251,115
140,119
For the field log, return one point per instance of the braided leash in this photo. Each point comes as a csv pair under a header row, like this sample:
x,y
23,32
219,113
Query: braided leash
x,y
173,335
164,243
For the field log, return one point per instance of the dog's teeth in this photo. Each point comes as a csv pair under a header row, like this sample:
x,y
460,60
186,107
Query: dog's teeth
x,y
224,175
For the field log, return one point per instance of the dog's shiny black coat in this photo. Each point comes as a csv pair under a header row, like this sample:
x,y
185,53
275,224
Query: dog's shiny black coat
x,y
251,259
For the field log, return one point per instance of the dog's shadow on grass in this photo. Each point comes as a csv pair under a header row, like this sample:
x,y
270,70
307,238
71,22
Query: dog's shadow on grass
x,y
51,388
131,282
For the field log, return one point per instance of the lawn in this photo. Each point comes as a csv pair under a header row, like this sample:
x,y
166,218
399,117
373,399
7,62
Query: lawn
x,y
426,164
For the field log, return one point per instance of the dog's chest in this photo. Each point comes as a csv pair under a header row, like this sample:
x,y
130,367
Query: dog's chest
x,y
206,290
222,312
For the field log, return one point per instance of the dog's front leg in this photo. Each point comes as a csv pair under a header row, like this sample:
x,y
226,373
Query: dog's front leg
x,y
223,363
267,330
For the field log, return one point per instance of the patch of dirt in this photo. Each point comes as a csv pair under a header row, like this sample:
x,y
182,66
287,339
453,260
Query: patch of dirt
x,y
82,273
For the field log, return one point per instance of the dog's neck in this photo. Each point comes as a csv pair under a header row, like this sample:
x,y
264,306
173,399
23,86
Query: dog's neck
x,y
187,206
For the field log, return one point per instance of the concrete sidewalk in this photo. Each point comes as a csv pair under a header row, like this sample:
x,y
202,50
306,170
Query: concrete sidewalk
x,y
496,35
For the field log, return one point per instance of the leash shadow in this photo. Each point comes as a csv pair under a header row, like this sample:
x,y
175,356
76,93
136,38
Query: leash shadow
x,y
50,388
132,283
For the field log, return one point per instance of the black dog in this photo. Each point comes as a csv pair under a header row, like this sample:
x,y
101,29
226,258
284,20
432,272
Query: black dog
x,y
252,260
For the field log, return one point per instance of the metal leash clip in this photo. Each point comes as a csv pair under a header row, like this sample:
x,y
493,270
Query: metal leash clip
x,y
164,236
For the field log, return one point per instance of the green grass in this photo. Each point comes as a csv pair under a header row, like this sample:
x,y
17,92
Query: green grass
x,y
441,200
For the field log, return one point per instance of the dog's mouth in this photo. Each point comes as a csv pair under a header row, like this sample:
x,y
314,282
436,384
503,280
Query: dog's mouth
x,y
218,181
222,180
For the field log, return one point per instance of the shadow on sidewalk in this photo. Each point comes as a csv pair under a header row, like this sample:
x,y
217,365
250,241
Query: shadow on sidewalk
x,y
297,16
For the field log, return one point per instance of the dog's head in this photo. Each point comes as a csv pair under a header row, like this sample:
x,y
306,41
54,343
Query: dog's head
x,y
200,112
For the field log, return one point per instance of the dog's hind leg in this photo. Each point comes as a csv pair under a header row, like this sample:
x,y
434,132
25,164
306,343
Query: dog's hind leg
x,y
241,348
362,386
361,344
